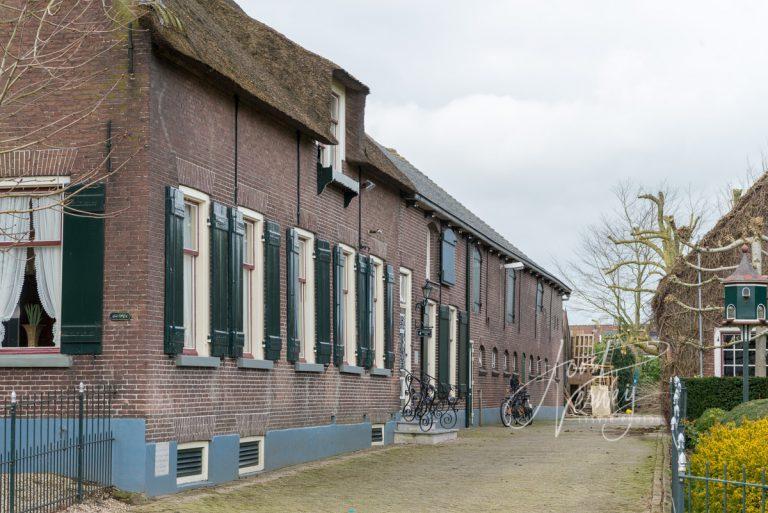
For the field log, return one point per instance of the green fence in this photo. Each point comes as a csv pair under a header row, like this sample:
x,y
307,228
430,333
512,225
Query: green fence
x,y
55,449
720,490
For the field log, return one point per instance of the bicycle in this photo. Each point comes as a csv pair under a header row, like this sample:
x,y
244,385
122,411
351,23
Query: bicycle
x,y
516,408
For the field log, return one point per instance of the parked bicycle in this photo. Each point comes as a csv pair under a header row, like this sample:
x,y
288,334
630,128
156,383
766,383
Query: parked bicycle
x,y
516,408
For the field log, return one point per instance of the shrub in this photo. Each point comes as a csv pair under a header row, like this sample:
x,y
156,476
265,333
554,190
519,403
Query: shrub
x,y
753,410
722,393
743,450
709,418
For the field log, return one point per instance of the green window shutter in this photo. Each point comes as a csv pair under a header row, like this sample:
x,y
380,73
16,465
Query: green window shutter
x,y
236,249
477,261
219,280
443,349
509,304
338,306
292,286
463,351
273,342
174,271
448,257
363,319
323,301
389,311
82,287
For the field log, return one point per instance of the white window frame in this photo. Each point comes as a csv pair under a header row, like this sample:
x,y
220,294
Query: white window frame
x,y
720,341
253,468
334,156
453,320
350,309
198,478
254,322
428,267
377,265
431,355
383,431
17,186
201,321
306,321
406,309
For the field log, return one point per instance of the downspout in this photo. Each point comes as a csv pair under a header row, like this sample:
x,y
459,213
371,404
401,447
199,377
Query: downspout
x,y
298,178
237,110
468,420
359,211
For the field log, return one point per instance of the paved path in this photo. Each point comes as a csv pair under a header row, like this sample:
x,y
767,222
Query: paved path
x,y
488,469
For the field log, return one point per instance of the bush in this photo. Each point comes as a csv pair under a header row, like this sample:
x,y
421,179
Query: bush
x,y
738,447
753,410
709,418
722,393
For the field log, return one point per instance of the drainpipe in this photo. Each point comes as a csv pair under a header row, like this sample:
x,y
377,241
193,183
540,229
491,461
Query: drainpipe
x,y
468,417
237,110
298,178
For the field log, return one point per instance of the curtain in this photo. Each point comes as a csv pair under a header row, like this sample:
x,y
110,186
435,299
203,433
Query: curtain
x,y
14,227
46,219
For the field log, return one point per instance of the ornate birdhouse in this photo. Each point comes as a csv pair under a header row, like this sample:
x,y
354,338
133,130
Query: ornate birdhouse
x,y
745,293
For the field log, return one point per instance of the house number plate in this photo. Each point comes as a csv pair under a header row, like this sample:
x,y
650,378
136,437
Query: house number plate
x,y
120,316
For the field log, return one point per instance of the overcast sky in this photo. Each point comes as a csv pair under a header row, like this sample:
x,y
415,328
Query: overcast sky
x,y
529,112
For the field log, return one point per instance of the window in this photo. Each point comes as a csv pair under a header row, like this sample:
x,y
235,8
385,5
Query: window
x,y
523,370
191,462
31,263
253,284
732,354
539,295
494,358
377,434
515,363
448,257
251,457
332,156
452,344
531,368
378,311
348,304
433,254
404,329
546,367
506,362
431,355
196,271
538,367
305,314
477,265
482,358
509,296
730,312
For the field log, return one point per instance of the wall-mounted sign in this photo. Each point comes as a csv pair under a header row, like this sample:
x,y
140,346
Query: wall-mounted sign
x,y
120,316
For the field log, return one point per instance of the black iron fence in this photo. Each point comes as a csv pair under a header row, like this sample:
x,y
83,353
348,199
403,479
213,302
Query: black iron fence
x,y
428,402
55,448
719,490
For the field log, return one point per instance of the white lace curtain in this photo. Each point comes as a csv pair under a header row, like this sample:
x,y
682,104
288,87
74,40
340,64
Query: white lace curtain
x,y
14,227
46,218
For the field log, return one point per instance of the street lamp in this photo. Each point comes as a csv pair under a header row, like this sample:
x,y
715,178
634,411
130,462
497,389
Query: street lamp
x,y
744,299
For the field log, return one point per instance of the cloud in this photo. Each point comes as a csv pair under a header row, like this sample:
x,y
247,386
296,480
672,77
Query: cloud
x,y
529,112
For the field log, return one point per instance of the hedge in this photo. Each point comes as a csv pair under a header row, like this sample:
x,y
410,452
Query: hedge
x,y
722,393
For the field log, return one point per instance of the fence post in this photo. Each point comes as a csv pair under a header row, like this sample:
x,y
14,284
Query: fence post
x,y
80,440
678,459
12,463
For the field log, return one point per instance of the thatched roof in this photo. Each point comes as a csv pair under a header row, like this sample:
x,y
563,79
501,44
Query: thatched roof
x,y
278,74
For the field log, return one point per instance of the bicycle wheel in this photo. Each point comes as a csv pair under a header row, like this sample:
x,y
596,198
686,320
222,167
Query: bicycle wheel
x,y
506,413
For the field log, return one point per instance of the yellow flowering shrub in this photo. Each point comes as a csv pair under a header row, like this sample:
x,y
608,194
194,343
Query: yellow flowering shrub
x,y
744,449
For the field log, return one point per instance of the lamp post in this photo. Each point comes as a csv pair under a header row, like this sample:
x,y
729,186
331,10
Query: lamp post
x,y
744,298
424,330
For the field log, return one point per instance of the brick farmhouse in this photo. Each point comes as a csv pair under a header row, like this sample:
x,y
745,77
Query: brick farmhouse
x,y
253,273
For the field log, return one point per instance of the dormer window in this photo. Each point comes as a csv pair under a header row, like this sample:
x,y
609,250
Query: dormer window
x,y
761,312
332,156
730,312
